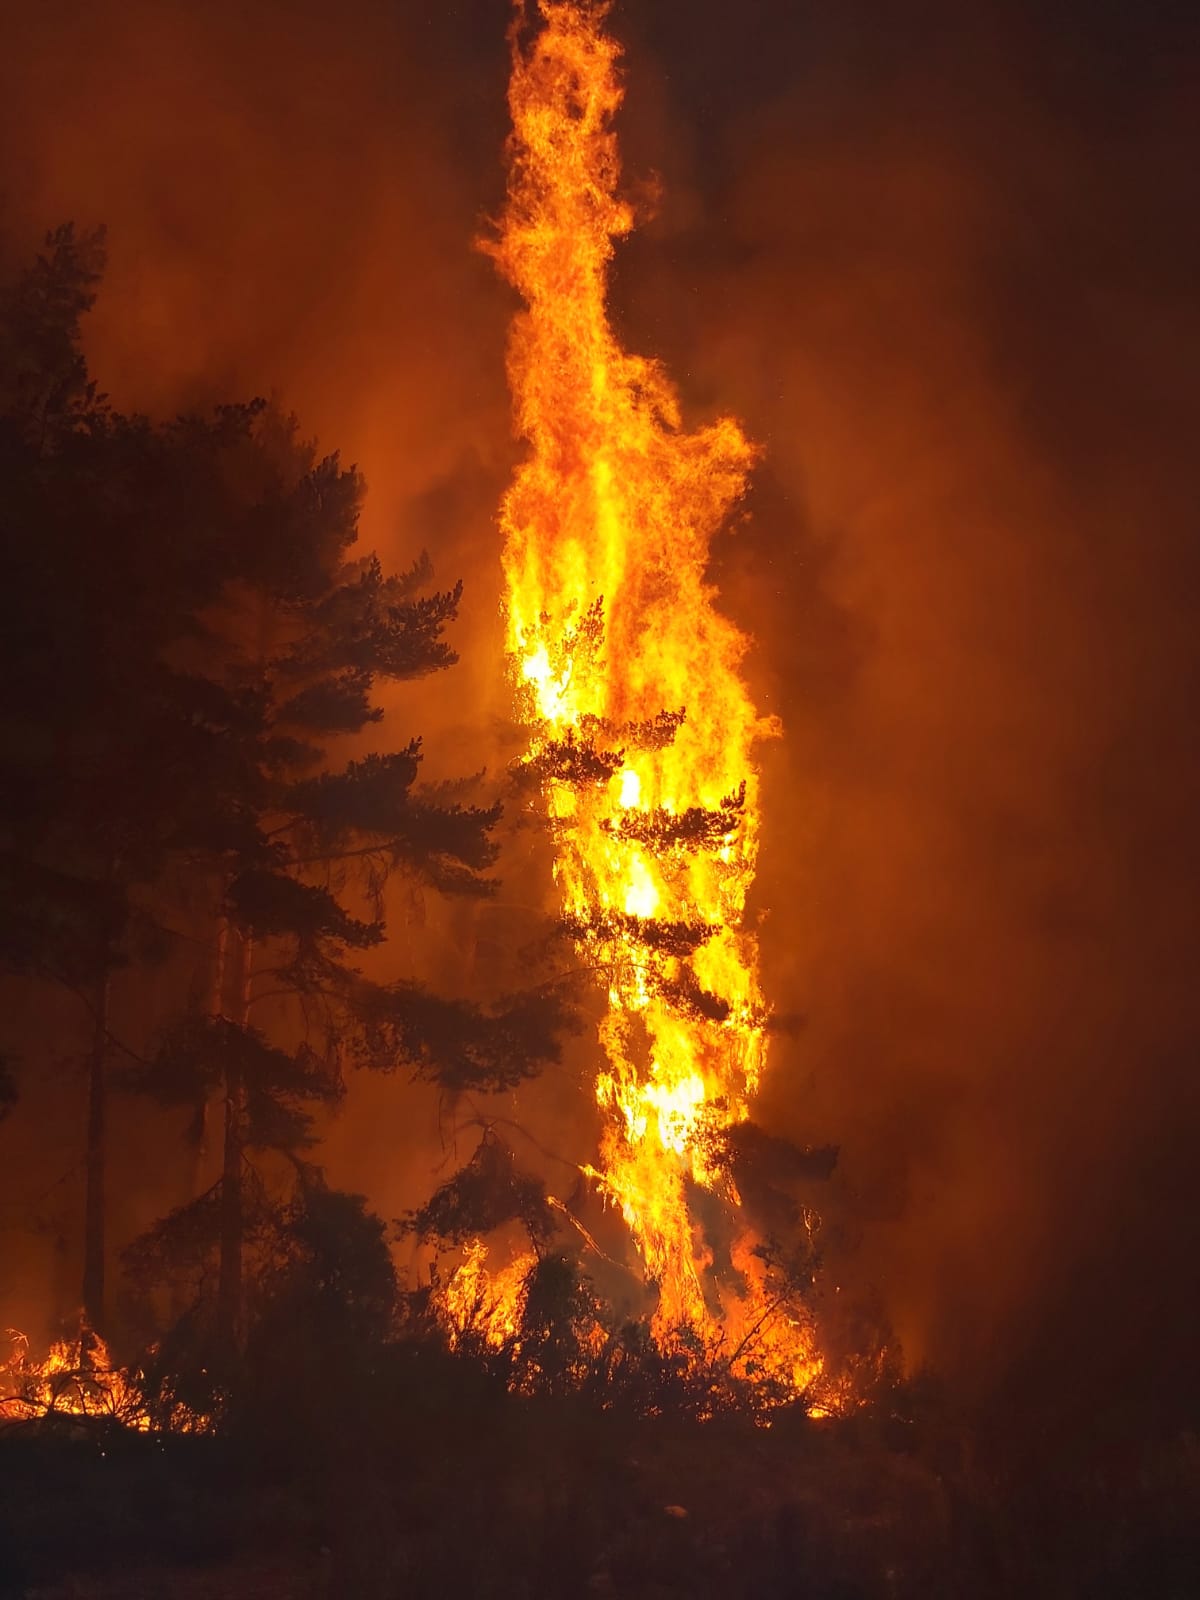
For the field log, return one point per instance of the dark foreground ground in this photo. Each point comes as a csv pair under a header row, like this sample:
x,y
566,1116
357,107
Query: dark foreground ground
x,y
510,1500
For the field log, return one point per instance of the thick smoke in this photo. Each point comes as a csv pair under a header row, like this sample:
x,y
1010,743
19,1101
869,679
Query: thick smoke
x,y
946,281
942,271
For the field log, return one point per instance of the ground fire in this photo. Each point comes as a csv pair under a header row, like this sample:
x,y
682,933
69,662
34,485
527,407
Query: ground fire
x,y
641,727
69,1382
78,1379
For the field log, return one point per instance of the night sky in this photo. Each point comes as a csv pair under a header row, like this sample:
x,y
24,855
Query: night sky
x,y
941,260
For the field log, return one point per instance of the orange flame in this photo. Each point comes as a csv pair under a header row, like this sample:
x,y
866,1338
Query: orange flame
x,y
641,726
78,1379
483,1302
67,1382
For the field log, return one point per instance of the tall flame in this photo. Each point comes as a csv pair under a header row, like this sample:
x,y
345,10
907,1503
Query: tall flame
x,y
641,725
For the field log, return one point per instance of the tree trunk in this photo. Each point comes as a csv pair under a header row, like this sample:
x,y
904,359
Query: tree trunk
x,y
229,1281
198,1130
93,1226
229,1288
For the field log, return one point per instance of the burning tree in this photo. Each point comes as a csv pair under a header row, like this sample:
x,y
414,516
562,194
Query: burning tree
x,y
641,727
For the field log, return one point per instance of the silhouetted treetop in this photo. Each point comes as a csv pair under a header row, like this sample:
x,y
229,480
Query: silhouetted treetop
x,y
196,1053
44,385
371,622
275,905
462,1045
490,1190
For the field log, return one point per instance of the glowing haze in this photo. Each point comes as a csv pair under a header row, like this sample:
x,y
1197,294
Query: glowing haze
x,y
641,726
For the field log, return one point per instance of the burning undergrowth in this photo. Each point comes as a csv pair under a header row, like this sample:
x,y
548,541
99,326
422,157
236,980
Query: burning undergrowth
x,y
522,1285
519,1290
78,1382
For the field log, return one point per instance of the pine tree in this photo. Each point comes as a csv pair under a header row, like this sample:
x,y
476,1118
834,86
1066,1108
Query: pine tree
x,y
94,596
298,640
192,636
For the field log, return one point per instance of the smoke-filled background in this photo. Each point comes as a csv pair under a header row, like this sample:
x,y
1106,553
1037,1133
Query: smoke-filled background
x,y
941,261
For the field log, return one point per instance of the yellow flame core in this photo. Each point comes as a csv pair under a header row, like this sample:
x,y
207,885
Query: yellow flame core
x,y
611,623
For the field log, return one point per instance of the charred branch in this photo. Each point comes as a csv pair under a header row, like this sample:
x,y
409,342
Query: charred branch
x,y
669,938
694,829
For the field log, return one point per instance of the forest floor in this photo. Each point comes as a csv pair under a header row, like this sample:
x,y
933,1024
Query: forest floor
x,y
543,1501
272,1580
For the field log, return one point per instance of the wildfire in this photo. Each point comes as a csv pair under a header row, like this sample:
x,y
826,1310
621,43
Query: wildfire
x,y
68,1382
483,1302
641,726
78,1378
